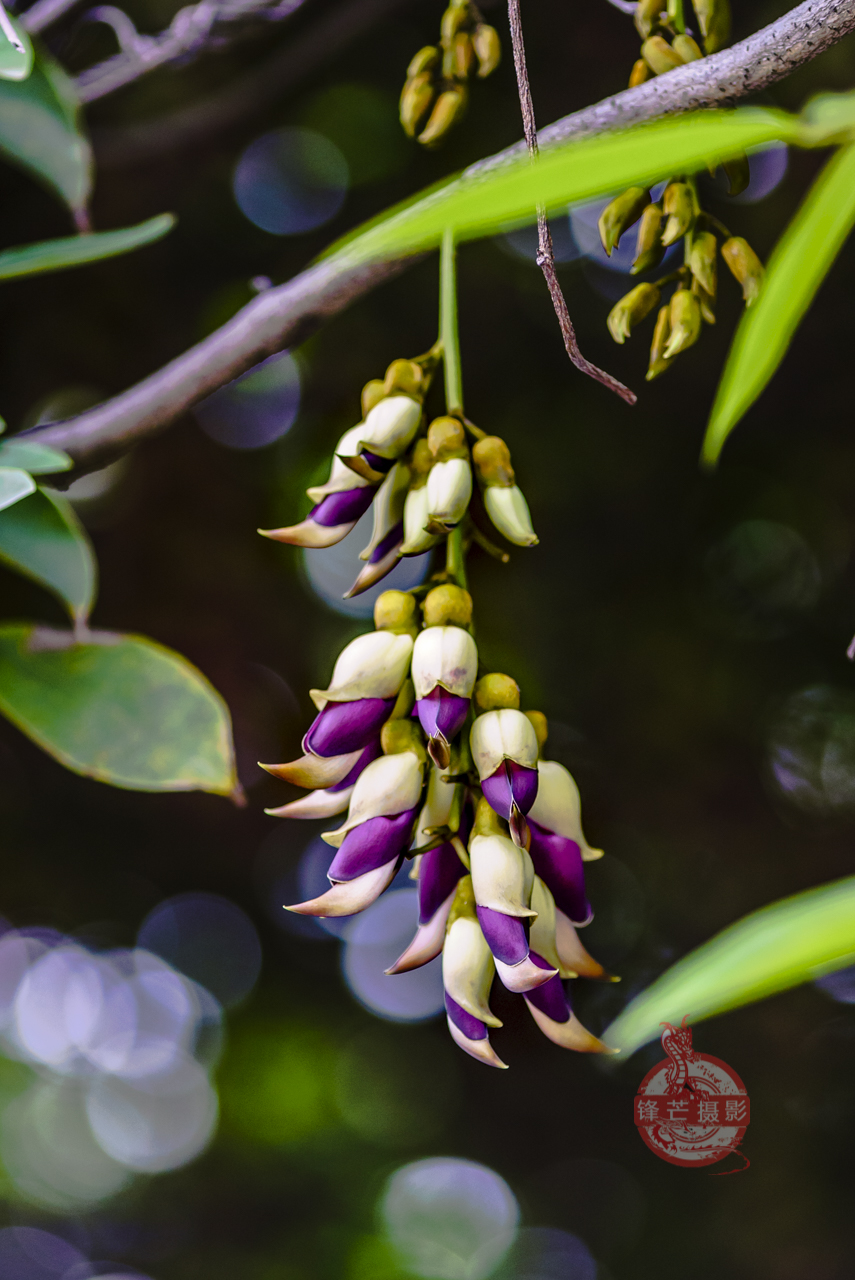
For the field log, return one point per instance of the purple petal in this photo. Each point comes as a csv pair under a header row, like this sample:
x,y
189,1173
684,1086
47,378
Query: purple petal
x,y
558,862
507,936
385,545
439,871
371,752
473,1028
371,845
443,713
511,783
347,726
550,998
343,507
376,462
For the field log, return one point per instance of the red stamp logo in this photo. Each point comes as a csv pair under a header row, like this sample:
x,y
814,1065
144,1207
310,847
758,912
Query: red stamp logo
x,y
691,1109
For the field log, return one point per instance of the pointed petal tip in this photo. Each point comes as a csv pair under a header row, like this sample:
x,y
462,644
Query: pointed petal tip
x,y
317,804
524,976
347,897
308,534
314,771
592,855
570,1034
481,1050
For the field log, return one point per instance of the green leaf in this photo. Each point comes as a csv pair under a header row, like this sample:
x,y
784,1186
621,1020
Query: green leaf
x,y
799,264
567,173
43,538
29,455
40,129
118,708
75,251
795,940
16,50
15,484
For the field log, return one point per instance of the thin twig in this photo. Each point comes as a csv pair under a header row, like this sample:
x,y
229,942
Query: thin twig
x,y
545,253
43,13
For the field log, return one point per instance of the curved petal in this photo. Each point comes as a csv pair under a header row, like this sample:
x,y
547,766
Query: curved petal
x,y
575,960
314,771
374,665
470,1034
388,786
427,944
524,976
317,804
342,727
570,1034
349,896
309,534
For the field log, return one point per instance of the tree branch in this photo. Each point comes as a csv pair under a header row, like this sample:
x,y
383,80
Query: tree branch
x,y
281,316
43,13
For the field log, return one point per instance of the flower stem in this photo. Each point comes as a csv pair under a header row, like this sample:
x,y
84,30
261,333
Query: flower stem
x,y
455,557
448,324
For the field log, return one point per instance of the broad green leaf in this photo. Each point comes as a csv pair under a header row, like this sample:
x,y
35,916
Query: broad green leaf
x,y
16,50
118,708
75,251
798,265
42,538
40,129
567,173
15,484
795,940
29,455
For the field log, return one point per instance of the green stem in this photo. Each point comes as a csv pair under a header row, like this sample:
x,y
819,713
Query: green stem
x,y
448,324
455,557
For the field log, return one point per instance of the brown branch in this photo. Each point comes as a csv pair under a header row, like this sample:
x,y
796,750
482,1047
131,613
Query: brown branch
x,y
545,253
277,318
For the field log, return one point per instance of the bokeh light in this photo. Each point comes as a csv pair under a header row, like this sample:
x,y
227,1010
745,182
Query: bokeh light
x,y
208,938
362,121
761,577
544,1253
449,1219
811,750
840,985
26,1253
290,181
373,943
767,169
256,408
333,570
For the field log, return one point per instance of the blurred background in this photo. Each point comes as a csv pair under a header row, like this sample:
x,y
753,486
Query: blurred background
x,y
192,1082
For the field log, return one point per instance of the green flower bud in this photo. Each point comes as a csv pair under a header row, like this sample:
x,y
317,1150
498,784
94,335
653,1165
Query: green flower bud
x,y
396,611
508,510
738,174
495,691
404,377
425,60
455,17
685,323
646,17
372,393
492,459
487,823
745,266
687,48
448,109
631,310
404,702
416,98
714,22
648,245
640,72
488,49
660,56
678,203
706,302
618,216
448,606
459,57
541,728
398,736
661,333
446,439
702,261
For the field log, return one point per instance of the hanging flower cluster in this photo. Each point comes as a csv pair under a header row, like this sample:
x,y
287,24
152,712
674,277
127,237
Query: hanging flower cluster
x,y
435,92
433,763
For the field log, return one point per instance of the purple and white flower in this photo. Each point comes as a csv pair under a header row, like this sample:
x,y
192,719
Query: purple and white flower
x,y
444,669
382,553
366,681
504,750
467,976
328,802
339,503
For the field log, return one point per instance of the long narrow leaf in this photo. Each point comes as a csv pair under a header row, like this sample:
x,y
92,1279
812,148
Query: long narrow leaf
x,y
74,251
797,268
789,942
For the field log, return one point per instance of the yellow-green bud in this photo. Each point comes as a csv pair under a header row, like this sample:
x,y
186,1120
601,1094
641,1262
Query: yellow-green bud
x,y
685,323
496,691
661,333
487,822
640,72
488,49
463,904
396,611
745,266
372,393
646,16
416,98
648,245
455,17
398,736
687,48
631,310
492,459
738,174
541,728
458,58
448,109
420,464
706,302
660,56
405,701
404,377
618,216
678,203
714,22
448,606
447,439
425,60
702,261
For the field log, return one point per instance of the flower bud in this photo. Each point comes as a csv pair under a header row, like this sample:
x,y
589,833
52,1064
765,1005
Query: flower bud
x,y
416,537
492,460
446,439
678,202
738,174
508,510
372,666
447,606
686,47
702,261
455,17
647,16
445,664
372,393
467,974
640,71
660,56
685,323
386,432
425,60
417,96
459,57
389,786
714,22
648,244
387,534
744,266
448,109
404,702
449,489
496,691
618,216
488,49
631,310
399,735
541,728
504,751
405,377
661,333
706,302
395,611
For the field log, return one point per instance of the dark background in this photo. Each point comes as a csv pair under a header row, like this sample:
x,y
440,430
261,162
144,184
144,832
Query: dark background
x,y
662,644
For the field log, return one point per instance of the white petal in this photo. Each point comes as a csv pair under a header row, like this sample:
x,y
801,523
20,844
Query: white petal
x,y
390,426
371,666
436,809
574,959
317,804
449,488
388,506
341,477
502,875
389,785
315,771
558,807
508,510
468,969
502,735
542,937
346,897
446,656
570,1034
416,538
480,1049
427,943
524,976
